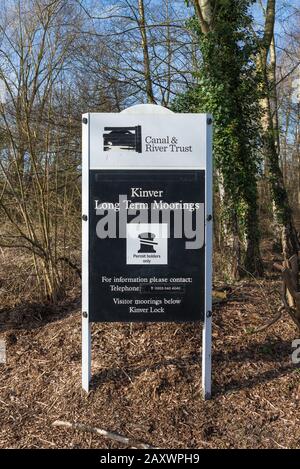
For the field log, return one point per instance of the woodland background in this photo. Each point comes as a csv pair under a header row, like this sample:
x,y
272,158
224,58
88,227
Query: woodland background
x,y
240,61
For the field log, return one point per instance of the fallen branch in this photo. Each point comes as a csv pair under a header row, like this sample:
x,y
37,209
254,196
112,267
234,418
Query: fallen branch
x,y
270,323
106,434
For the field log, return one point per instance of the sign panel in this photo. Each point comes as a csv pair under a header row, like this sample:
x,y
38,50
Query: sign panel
x,y
144,241
146,245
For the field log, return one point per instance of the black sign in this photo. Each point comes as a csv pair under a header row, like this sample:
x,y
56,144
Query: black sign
x,y
146,245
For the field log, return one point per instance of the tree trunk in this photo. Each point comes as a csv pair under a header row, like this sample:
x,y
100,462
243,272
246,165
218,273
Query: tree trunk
x,y
241,231
253,262
237,272
145,49
283,211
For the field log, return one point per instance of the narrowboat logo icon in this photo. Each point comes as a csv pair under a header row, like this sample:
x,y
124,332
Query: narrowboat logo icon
x,y
147,243
123,138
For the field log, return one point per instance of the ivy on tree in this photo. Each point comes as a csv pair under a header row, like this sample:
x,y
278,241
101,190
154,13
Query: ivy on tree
x,y
227,87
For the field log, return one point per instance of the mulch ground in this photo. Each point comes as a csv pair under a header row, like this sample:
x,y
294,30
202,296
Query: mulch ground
x,y
147,378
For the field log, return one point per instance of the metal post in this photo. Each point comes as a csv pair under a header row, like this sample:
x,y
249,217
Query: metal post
x,y
86,327
207,324
86,353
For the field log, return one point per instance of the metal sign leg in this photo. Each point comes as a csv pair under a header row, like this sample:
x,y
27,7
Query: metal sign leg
x,y
206,358
86,353
207,324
